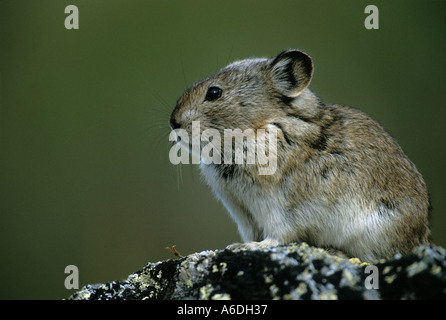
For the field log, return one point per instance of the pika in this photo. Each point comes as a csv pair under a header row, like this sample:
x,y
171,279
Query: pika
x,y
342,182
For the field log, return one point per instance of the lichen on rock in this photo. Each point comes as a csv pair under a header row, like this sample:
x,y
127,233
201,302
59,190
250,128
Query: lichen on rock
x,y
295,271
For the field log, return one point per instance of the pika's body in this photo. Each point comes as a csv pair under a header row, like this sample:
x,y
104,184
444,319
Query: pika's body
x,y
342,182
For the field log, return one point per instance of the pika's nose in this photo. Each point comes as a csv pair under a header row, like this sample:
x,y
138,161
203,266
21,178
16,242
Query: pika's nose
x,y
173,122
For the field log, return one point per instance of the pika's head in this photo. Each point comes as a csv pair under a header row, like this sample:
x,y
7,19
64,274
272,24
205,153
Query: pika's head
x,y
247,94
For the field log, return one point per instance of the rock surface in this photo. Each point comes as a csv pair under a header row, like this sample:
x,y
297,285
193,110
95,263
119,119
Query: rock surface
x,y
295,271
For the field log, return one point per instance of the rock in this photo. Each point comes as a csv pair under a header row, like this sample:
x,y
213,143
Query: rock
x,y
295,271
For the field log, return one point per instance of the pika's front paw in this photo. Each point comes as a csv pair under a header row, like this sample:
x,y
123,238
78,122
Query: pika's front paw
x,y
254,245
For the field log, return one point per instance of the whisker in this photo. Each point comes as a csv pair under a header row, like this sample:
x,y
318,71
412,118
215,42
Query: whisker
x,y
186,83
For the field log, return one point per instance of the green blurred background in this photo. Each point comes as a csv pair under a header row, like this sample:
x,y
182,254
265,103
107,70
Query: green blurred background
x,y
85,177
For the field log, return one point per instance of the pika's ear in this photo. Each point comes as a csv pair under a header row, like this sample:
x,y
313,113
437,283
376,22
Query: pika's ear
x,y
291,72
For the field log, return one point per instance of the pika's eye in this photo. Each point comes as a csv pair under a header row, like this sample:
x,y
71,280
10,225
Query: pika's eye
x,y
213,94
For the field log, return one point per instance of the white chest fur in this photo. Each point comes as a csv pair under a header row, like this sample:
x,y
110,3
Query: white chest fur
x,y
348,225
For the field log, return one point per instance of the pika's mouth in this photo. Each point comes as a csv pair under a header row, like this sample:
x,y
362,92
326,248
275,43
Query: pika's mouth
x,y
181,138
174,124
